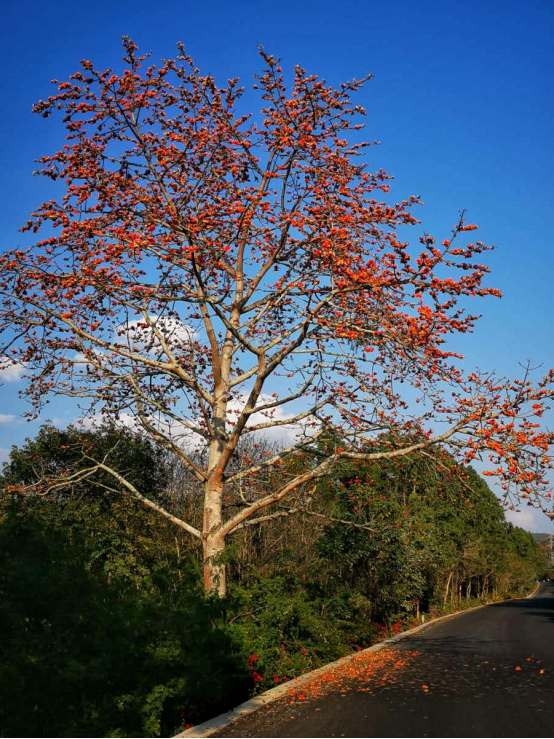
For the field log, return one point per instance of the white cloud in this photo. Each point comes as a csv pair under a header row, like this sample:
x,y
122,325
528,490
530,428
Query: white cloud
x,y
139,335
530,519
10,371
284,433
122,420
4,455
58,421
177,432
6,418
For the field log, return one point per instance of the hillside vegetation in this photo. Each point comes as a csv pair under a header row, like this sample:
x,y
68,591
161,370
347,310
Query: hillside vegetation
x,y
105,627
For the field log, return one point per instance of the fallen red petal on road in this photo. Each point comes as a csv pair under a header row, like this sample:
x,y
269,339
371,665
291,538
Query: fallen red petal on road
x,y
360,669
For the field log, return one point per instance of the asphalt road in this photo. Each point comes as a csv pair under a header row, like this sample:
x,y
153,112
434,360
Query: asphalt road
x,y
486,673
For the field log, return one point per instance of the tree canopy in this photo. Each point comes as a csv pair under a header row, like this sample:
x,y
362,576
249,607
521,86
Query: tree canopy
x,y
207,275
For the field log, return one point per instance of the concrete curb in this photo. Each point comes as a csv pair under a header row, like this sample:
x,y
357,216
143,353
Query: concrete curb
x,y
219,722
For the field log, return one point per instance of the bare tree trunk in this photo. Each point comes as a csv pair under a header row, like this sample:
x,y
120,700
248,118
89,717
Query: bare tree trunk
x,y
450,575
214,569
178,551
213,541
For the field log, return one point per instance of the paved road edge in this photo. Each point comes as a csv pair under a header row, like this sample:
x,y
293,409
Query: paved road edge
x,y
220,722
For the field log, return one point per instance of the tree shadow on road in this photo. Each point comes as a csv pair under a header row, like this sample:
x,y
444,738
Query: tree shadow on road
x,y
541,607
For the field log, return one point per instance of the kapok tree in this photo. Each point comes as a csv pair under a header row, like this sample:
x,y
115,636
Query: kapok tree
x,y
207,276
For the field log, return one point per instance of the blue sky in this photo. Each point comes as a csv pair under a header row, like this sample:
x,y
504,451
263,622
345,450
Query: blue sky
x,y
462,102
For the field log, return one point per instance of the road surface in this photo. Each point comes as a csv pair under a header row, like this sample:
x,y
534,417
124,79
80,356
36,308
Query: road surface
x,y
486,673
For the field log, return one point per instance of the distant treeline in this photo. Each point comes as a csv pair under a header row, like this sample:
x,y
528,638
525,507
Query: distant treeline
x,y
106,630
541,538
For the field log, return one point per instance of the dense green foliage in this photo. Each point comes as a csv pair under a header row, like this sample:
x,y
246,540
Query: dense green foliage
x,y
105,628
78,659
439,535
